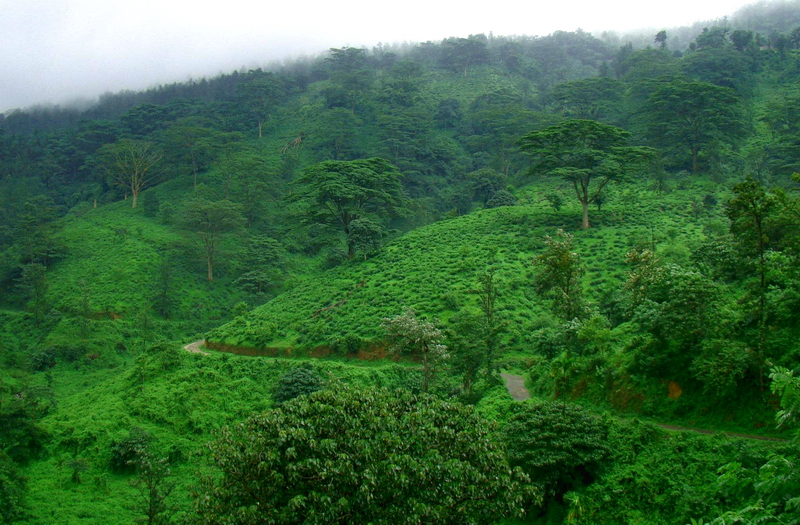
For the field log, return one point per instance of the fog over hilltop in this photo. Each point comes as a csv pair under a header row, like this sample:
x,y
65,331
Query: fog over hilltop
x,y
59,52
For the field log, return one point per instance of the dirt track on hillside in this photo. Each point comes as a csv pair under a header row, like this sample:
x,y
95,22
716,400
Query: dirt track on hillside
x,y
195,347
516,387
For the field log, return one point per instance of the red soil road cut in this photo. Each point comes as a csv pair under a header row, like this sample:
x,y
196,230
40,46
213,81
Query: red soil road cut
x,y
516,387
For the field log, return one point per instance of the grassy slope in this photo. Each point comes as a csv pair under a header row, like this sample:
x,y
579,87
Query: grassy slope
x,y
179,399
434,269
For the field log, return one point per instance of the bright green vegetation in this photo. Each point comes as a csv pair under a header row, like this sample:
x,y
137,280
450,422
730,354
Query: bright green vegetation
x,y
366,240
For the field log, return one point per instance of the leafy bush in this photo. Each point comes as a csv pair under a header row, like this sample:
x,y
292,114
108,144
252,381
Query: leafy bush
x,y
298,382
559,445
124,452
12,491
43,359
374,456
501,198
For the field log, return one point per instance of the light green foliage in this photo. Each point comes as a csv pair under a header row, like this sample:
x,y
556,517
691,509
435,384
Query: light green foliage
x,y
372,456
89,372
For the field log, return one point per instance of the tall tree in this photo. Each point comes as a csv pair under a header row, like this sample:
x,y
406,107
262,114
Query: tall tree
x,y
210,221
584,151
590,98
130,164
560,275
336,193
691,117
261,93
749,212
414,335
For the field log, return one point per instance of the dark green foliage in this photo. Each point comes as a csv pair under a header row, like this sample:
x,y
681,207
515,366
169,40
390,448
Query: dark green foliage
x,y
560,275
373,456
151,204
689,118
336,193
448,117
210,221
126,451
263,258
590,98
660,478
583,151
559,445
12,491
501,198
301,381
43,359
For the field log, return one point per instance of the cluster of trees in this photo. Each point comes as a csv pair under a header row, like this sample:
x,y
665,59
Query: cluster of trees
x,y
718,321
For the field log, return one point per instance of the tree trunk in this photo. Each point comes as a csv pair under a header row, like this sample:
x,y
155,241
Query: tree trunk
x,y
210,269
135,196
695,154
426,371
585,205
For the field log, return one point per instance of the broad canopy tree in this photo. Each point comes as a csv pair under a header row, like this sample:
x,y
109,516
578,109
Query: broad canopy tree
x,y
582,152
691,117
348,456
336,193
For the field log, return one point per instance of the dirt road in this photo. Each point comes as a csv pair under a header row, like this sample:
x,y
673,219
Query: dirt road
x,y
516,387
195,347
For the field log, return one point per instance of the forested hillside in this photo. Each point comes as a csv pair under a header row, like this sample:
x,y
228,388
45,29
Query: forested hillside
x,y
615,220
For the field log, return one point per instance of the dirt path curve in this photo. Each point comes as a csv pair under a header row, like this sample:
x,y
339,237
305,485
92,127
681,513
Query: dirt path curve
x,y
516,387
195,347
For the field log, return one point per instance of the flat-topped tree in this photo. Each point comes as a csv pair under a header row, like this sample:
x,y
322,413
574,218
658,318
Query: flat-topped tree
x,y
338,192
583,152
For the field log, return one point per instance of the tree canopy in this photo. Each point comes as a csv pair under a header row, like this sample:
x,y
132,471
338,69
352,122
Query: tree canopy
x,y
375,456
336,193
583,151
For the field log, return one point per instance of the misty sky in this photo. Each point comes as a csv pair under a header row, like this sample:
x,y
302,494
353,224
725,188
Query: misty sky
x,y
56,51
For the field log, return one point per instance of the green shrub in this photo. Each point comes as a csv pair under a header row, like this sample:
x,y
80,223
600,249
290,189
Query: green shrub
x,y
560,446
298,382
124,452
